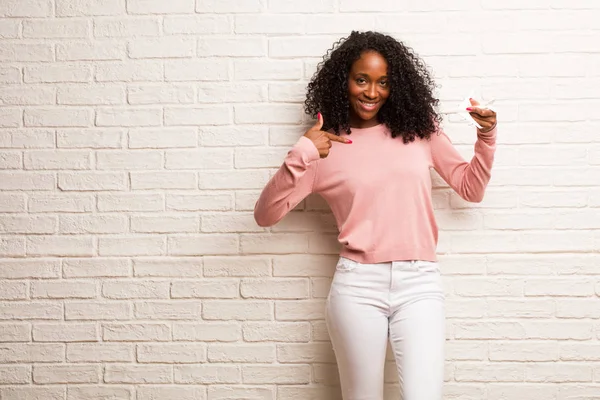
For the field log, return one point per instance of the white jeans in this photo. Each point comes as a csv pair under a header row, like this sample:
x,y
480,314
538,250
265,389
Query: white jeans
x,y
400,300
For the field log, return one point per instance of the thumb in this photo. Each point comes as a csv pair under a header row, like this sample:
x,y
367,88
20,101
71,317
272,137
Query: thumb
x,y
474,102
319,123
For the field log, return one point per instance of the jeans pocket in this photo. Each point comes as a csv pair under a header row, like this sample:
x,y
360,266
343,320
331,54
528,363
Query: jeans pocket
x,y
428,266
345,264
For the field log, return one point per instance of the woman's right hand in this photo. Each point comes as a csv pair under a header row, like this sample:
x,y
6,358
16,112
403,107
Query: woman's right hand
x,y
321,139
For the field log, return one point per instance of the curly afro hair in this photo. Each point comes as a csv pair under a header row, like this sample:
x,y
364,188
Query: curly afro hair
x,y
409,111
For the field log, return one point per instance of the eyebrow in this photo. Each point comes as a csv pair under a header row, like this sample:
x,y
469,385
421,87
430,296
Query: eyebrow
x,y
364,74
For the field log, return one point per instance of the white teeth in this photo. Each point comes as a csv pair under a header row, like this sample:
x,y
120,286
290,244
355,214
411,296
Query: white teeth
x,y
368,104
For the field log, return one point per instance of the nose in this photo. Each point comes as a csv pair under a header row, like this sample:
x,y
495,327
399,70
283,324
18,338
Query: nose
x,y
371,92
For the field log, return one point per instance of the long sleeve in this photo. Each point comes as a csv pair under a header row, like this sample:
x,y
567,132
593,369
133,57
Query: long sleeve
x,y
468,179
290,185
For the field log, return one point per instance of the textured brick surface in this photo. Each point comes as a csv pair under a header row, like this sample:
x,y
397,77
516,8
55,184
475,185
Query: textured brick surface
x,y
136,135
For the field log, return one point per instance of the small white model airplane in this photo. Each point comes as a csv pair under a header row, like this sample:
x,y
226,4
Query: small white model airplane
x,y
461,110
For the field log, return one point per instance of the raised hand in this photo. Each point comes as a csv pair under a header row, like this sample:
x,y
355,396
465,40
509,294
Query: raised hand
x,y
484,116
322,139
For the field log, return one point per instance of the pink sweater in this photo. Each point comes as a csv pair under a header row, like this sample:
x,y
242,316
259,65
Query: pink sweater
x,y
379,189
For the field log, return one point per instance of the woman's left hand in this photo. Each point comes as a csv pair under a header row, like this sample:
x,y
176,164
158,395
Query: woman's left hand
x,y
484,116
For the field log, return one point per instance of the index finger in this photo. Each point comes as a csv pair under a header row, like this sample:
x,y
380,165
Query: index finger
x,y
482,112
337,138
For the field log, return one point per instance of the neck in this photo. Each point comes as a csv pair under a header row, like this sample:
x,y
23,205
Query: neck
x,y
359,123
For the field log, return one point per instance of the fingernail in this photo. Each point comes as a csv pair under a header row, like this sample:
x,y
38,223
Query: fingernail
x,y
470,98
469,108
319,115
349,141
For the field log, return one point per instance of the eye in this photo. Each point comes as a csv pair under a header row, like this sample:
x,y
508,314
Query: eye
x,y
360,80
384,83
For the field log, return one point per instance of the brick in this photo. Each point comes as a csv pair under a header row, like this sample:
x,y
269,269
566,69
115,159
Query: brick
x,y
237,46
243,266
104,138
10,75
230,223
272,69
99,352
155,138
156,94
132,332
13,290
57,159
48,374
207,331
60,245
137,289
233,136
33,393
131,246
200,159
57,73
97,310
228,6
58,117
175,310
128,160
165,47
64,290
92,224
207,288
163,180
136,374
198,115
25,138
209,69
128,117
165,224
91,95
295,288
125,27
159,7
168,267
129,71
96,267
11,118
172,353
197,24
276,332
273,24
130,202
242,92
27,8
56,29
85,181
237,310
12,203
207,244
18,374
59,332
76,8
28,95
278,374
199,202
32,353
248,353
207,374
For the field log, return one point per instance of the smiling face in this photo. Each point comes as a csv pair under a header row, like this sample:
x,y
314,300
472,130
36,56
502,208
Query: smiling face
x,y
368,89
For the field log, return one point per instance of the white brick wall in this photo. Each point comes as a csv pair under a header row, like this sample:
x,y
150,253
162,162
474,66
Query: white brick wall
x,y
136,135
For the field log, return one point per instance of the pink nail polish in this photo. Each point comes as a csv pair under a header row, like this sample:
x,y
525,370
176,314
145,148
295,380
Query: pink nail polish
x,y
469,108
319,115
349,141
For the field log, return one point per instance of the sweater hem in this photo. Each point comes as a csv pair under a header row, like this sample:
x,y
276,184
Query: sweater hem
x,y
374,257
